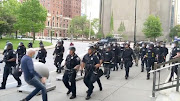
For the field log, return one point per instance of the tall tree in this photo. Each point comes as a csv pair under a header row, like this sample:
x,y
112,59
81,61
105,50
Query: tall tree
x,y
112,23
121,28
175,31
152,27
31,17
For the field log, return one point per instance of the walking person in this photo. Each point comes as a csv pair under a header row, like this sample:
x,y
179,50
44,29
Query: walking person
x,y
128,56
72,65
90,63
32,77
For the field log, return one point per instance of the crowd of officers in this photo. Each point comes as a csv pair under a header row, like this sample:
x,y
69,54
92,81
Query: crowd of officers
x,y
111,56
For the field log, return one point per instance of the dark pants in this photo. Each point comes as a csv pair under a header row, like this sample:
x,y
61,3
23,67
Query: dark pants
x,y
70,76
99,83
7,71
35,81
127,66
150,65
174,69
57,62
42,60
88,82
107,69
143,62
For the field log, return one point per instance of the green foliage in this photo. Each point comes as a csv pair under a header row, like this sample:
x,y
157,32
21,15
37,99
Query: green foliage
x,y
121,28
16,42
112,23
175,31
8,15
152,27
31,17
109,35
95,24
99,35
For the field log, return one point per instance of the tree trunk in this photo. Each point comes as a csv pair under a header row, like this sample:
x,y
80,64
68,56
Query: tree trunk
x,y
34,37
16,34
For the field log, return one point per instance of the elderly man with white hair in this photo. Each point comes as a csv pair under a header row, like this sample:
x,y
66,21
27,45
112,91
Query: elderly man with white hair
x,y
32,77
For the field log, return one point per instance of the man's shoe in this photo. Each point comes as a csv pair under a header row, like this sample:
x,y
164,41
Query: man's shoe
x,y
72,97
126,77
19,85
88,97
1,88
87,91
148,78
101,89
23,100
57,70
108,77
68,92
142,70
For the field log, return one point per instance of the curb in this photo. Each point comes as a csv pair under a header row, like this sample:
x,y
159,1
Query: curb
x,y
36,49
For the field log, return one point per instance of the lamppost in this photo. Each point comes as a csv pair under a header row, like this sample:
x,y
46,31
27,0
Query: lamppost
x,y
135,22
51,30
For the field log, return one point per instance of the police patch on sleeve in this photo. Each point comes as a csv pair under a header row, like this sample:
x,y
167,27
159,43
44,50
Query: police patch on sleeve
x,y
14,52
178,49
78,58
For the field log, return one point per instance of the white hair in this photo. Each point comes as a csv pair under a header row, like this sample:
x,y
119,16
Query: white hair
x,y
30,50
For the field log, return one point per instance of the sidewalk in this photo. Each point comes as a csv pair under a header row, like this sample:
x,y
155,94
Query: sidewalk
x,y
136,88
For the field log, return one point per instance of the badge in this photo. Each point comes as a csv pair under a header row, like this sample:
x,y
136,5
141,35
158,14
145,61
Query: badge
x,y
91,58
72,57
78,58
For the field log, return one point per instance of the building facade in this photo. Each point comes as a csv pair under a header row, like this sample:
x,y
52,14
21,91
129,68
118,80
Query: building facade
x,y
124,11
60,14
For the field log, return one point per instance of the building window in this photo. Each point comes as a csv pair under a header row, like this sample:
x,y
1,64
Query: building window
x,y
48,23
64,25
57,24
53,24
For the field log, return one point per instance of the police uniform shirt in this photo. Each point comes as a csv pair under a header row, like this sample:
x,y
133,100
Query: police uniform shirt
x,y
108,56
174,51
59,51
127,54
159,51
21,50
72,61
150,53
9,55
143,51
90,59
42,54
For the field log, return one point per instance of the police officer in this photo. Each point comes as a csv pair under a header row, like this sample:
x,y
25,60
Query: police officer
x,y
150,56
58,52
41,43
30,45
10,62
159,53
165,51
115,56
98,52
142,55
90,63
72,64
127,57
21,51
121,50
108,57
137,51
42,54
174,52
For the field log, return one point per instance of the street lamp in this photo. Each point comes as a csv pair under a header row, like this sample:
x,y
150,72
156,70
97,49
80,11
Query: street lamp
x,y
135,22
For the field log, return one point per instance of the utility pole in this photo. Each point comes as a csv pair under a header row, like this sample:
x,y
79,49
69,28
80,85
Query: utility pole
x,y
135,22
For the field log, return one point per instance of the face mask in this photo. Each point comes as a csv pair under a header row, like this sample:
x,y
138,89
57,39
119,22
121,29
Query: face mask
x,y
162,45
173,45
33,56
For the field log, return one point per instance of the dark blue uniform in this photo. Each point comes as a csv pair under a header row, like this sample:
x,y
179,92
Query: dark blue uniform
x,y
143,58
128,56
70,73
42,54
174,69
150,56
9,54
59,50
90,62
159,54
107,62
21,51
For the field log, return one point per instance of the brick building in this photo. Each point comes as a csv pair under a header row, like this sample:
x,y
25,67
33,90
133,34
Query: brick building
x,y
60,13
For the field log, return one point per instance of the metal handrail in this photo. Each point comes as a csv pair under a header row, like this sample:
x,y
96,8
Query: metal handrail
x,y
176,62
